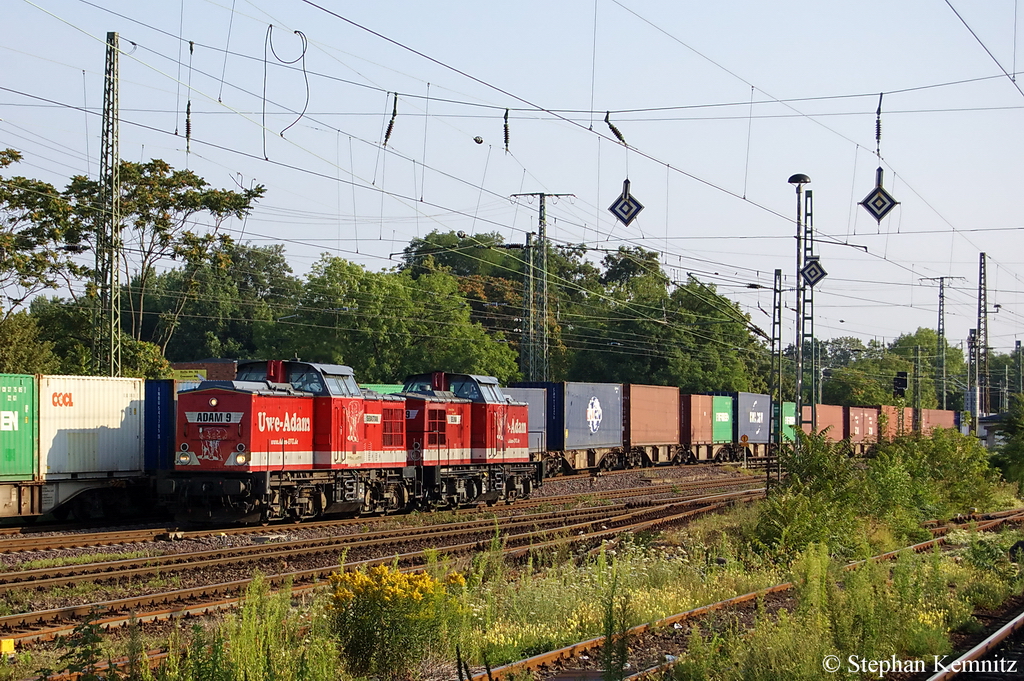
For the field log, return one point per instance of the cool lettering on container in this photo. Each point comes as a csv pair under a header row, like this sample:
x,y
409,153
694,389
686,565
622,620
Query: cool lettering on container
x,y
62,400
289,423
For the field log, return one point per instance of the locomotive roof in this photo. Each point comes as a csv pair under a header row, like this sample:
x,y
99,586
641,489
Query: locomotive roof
x,y
257,387
329,369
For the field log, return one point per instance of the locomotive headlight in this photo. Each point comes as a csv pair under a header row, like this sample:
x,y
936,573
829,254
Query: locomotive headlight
x,y
213,401
183,458
240,458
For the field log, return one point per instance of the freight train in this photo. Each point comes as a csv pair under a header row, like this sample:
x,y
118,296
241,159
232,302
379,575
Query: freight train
x,y
299,440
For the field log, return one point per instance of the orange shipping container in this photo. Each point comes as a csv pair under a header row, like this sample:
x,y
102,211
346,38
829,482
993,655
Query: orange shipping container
x,y
829,416
892,426
936,418
862,425
697,427
650,415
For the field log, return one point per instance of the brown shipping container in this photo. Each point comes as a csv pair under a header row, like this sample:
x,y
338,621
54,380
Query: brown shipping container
x,y
215,369
696,427
863,424
829,416
891,427
650,415
936,418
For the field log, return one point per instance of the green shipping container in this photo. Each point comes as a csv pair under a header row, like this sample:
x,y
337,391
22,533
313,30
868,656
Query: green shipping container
x,y
383,388
18,440
788,420
721,412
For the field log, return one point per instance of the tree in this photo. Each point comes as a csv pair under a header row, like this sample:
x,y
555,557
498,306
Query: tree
x,y
38,238
22,350
236,289
161,208
66,326
633,330
386,325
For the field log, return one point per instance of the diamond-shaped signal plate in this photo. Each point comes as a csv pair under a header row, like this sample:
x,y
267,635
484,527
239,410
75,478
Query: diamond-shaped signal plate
x,y
626,208
813,273
879,202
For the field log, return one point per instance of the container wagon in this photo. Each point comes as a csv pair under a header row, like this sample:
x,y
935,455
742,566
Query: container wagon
x,y
21,489
723,408
536,401
930,419
650,422
831,421
862,429
584,425
751,425
894,422
696,428
91,433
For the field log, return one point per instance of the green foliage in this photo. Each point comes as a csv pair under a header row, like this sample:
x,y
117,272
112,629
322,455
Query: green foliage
x,y
265,640
387,620
861,507
84,650
1009,458
160,207
22,349
637,331
906,609
237,289
38,238
387,325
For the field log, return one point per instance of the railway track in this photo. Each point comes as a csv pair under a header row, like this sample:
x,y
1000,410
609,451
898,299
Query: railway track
x,y
592,525
648,642
17,543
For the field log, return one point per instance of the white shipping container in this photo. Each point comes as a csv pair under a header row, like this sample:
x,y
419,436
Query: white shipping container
x,y
90,426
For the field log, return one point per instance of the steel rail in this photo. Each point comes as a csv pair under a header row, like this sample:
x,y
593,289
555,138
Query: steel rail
x,y
633,521
94,539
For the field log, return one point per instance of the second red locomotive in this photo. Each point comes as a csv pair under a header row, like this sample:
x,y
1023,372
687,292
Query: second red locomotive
x,y
300,440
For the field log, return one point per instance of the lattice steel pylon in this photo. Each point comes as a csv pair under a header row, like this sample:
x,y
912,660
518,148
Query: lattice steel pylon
x,y
107,276
940,343
539,344
807,305
778,417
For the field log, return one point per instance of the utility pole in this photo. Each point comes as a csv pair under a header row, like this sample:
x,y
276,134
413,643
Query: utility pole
x,y
940,344
527,354
982,339
807,307
1020,374
539,361
798,181
917,388
107,278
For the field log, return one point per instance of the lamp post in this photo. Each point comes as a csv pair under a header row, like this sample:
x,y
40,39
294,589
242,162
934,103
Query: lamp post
x,y
798,181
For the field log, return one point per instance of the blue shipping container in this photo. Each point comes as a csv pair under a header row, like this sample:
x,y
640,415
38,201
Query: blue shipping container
x,y
159,425
753,417
536,399
582,415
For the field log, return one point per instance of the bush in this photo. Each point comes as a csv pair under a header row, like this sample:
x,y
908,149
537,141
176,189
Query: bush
x,y
387,620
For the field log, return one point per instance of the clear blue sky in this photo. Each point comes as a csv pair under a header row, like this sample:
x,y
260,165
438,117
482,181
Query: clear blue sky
x,y
719,102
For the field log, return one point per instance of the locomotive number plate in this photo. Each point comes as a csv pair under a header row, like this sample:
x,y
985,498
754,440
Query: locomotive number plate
x,y
213,417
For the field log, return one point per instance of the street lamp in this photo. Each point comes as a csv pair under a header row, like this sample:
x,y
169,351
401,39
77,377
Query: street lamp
x,y
798,181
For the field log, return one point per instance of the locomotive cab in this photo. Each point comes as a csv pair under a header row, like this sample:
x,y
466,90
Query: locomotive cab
x,y
476,437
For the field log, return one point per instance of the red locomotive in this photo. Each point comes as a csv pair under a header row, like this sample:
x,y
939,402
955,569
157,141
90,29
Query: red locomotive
x,y
300,440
